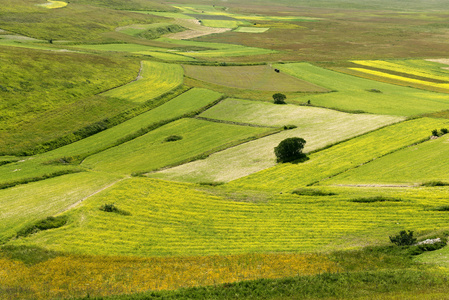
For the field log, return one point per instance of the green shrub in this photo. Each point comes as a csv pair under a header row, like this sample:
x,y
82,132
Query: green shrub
x,y
113,209
403,238
434,183
173,138
444,130
435,132
441,208
290,149
279,98
375,199
311,192
45,224
287,127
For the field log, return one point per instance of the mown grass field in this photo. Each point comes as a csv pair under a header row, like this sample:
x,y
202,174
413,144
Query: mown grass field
x,y
340,158
150,151
257,155
416,164
154,80
251,29
251,77
358,94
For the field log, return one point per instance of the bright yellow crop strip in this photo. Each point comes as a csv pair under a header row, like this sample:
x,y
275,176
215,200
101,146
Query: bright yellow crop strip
x,y
76,276
398,68
54,4
401,78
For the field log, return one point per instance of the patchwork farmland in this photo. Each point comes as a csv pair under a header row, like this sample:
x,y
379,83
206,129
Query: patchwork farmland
x,y
137,150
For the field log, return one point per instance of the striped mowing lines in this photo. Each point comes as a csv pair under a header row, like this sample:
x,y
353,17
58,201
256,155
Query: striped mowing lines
x,y
154,80
174,219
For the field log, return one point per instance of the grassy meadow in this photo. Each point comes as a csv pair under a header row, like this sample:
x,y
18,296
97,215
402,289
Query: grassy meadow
x,y
137,149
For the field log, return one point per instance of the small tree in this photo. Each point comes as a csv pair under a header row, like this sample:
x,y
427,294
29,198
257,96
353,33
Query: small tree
x,y
279,98
290,149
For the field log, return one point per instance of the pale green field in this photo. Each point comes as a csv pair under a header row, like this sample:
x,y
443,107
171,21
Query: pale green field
x,y
150,151
223,23
413,165
188,102
352,93
174,219
261,78
154,80
136,29
171,15
166,56
342,157
319,127
251,29
25,204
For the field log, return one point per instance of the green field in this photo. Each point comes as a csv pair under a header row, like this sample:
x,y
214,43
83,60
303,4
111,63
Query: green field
x,y
257,155
342,157
413,165
151,151
223,23
251,29
357,94
251,77
173,219
154,80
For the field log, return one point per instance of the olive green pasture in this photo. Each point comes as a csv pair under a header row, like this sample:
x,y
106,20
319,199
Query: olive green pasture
x,y
319,127
25,204
175,219
251,29
31,167
137,5
359,94
150,151
155,79
341,157
261,77
46,94
413,165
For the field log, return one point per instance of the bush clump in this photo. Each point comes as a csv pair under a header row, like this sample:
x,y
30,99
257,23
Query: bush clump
x,y
375,199
288,127
312,192
113,209
404,238
45,224
279,98
434,183
173,138
290,149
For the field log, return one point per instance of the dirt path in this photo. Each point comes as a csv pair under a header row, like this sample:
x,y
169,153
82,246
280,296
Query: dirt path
x,y
94,193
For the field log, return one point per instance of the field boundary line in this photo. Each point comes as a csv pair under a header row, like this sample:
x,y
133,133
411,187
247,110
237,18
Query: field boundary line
x,y
233,123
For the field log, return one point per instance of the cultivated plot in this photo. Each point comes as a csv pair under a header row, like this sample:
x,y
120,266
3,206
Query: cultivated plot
x,y
319,127
173,219
359,94
154,150
413,165
263,78
154,80
342,157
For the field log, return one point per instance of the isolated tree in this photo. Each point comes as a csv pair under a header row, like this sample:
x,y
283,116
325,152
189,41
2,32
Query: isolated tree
x,y
290,149
279,98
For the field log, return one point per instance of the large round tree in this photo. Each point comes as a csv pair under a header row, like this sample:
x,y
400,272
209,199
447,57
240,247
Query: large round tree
x,y
290,149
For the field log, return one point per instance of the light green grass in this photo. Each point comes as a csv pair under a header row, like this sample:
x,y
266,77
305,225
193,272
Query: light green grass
x,y
221,49
119,47
416,164
341,157
22,205
352,93
166,14
191,101
223,23
136,29
261,78
150,152
173,219
156,79
319,127
251,29
166,56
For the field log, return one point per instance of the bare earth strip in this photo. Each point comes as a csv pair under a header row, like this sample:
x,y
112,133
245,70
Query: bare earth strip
x,y
195,30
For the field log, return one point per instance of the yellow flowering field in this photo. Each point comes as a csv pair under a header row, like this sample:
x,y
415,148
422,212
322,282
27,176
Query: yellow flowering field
x,y
77,276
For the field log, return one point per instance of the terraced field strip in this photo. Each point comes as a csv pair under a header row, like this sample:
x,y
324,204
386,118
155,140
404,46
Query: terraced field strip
x,y
196,29
166,56
151,151
360,94
104,275
262,78
413,165
342,157
251,29
223,23
23,205
155,79
216,49
189,102
319,127
174,219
